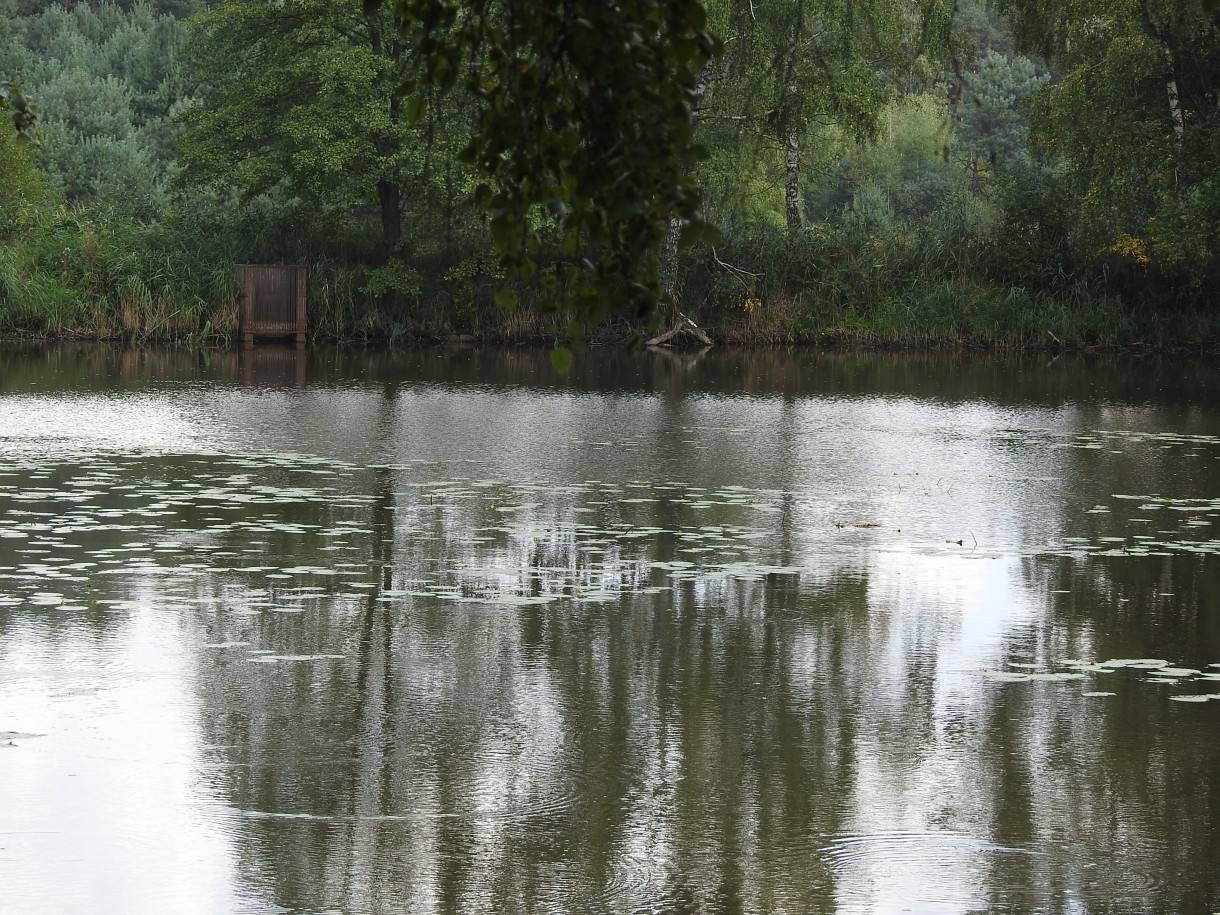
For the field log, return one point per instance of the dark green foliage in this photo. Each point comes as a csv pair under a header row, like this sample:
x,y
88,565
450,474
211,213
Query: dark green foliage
x,y
1135,120
298,99
299,109
106,79
19,109
584,127
980,29
874,178
1034,245
991,131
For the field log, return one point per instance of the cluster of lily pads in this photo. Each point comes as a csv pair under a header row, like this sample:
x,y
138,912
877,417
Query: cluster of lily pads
x,y
202,532
1156,670
1149,524
199,526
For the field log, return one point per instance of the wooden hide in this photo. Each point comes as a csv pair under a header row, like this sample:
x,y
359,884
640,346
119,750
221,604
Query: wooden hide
x,y
271,301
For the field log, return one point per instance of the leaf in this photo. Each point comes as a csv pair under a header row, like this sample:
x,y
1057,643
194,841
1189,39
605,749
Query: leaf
x,y
696,232
561,359
507,299
413,110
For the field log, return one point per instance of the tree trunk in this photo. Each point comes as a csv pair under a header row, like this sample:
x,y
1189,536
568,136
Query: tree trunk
x,y
1176,118
1179,124
1175,112
669,260
669,254
389,196
389,191
792,193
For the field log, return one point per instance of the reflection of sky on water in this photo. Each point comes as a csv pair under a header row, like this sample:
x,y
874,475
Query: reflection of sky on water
x,y
59,426
104,812
464,736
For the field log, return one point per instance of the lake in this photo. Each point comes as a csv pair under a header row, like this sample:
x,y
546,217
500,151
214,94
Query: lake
x,y
443,631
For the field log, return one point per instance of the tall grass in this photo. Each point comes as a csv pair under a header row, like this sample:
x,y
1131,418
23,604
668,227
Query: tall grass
x,y
948,281
870,280
75,274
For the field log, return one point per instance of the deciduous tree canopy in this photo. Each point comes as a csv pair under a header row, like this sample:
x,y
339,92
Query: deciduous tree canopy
x,y
584,121
1135,117
877,164
302,98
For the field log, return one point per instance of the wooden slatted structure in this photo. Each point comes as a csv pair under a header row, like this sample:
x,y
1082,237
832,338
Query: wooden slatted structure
x,y
272,301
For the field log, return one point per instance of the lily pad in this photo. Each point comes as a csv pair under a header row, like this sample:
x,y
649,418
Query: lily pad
x,y
1057,676
1006,676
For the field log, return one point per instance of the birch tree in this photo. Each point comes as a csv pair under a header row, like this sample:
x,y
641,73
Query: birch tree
x,y
1135,117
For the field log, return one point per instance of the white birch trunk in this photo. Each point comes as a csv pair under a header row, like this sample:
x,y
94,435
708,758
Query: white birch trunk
x,y
792,192
1175,112
669,255
1175,115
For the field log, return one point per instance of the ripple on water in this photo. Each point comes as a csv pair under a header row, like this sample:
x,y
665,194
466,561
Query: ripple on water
x,y
938,869
636,883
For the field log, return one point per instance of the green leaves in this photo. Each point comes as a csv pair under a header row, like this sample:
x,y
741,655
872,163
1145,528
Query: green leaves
x,y
413,110
22,186
697,232
22,112
1134,119
561,360
304,99
584,118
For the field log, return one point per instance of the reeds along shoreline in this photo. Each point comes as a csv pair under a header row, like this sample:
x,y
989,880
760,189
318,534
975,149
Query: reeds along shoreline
x,y
77,277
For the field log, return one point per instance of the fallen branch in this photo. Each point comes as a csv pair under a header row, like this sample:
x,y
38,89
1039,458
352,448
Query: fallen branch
x,y
685,326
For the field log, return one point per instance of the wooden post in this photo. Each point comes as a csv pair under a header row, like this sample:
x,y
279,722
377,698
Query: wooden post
x,y
302,287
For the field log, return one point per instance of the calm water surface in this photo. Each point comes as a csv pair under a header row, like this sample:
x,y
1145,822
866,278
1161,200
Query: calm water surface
x,y
442,631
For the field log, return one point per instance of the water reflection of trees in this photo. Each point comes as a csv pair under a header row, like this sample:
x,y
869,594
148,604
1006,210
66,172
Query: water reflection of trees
x,y
954,378
692,749
638,753
1123,784
1121,788
696,748
654,748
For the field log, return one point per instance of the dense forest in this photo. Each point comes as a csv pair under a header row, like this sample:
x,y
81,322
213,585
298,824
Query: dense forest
x,y
1024,173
